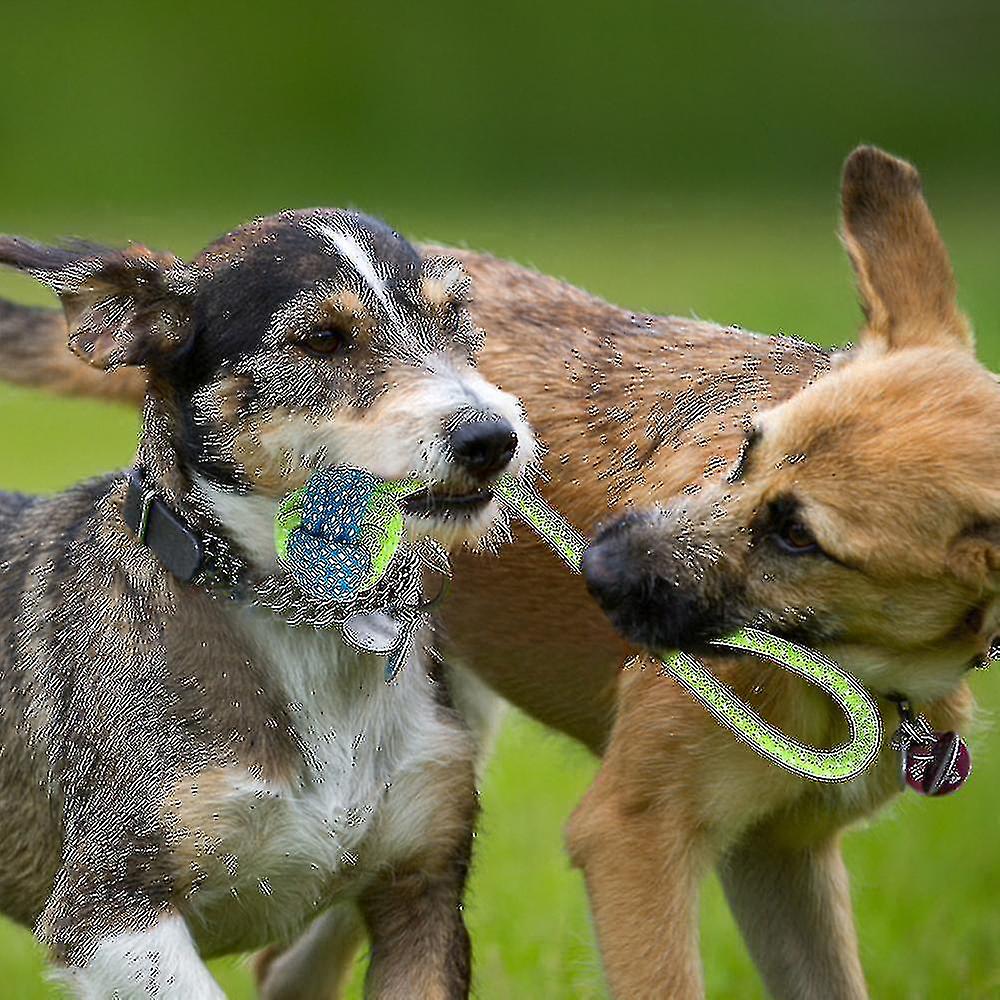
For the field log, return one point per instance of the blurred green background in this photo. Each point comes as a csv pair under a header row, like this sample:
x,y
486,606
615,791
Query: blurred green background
x,y
673,156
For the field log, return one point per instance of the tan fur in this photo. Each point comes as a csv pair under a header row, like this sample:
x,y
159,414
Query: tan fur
x,y
270,445
564,352
904,274
446,285
346,310
676,792
199,812
636,410
266,465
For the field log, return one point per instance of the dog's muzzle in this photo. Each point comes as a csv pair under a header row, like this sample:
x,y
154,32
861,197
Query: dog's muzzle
x,y
655,601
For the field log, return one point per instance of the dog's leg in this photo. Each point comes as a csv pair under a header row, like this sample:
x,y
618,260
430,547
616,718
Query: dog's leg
x,y
420,947
318,964
157,962
413,913
794,909
642,863
110,923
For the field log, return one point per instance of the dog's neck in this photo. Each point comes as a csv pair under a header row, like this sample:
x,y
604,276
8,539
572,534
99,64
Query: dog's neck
x,y
158,455
236,531
233,556
242,523
247,520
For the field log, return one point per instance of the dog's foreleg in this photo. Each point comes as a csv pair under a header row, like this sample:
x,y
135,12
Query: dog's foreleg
x,y
794,909
159,961
316,966
420,947
110,923
413,913
642,863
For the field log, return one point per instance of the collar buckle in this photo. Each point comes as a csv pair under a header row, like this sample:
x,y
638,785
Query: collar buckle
x,y
148,496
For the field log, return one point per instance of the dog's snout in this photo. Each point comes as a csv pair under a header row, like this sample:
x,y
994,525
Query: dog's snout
x,y
483,447
643,606
654,590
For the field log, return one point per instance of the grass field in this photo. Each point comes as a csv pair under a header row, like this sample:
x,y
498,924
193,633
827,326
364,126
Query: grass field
x,y
925,876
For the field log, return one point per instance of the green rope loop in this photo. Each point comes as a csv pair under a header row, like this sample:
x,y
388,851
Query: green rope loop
x,y
840,763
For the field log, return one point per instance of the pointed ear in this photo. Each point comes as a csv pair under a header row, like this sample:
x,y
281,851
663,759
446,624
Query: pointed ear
x,y
123,307
904,274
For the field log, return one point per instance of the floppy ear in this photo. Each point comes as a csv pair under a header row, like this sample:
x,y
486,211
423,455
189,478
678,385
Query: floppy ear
x,y
123,307
904,274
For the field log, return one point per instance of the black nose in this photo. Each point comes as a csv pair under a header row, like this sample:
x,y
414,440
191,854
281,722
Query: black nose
x,y
648,608
602,574
483,447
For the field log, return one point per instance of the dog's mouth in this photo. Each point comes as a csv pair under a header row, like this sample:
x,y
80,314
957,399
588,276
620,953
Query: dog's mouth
x,y
437,504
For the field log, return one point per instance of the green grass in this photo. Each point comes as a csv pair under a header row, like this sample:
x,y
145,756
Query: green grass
x,y
925,876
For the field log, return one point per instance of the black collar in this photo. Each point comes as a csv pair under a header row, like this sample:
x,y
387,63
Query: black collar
x,y
208,560
161,529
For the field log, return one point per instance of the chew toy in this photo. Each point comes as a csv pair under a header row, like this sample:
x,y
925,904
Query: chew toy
x,y
340,535
339,532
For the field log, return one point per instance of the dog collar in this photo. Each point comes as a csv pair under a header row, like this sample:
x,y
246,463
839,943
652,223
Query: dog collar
x,y
208,561
161,529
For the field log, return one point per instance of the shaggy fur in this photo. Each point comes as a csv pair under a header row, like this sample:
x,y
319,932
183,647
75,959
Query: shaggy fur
x,y
751,447
184,773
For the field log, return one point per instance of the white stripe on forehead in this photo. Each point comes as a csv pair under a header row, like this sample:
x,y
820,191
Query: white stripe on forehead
x,y
362,262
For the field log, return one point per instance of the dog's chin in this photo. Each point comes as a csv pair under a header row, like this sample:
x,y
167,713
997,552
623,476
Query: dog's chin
x,y
917,675
451,519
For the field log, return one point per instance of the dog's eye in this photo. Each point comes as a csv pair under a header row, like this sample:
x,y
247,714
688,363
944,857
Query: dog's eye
x,y
324,343
796,539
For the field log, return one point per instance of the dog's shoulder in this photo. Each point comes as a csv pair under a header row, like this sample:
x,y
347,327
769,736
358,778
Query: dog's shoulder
x,y
39,535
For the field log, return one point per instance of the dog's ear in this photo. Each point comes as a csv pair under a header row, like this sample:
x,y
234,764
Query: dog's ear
x,y
123,307
975,557
904,274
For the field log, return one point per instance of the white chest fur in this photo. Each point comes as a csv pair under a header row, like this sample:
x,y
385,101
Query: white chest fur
x,y
358,802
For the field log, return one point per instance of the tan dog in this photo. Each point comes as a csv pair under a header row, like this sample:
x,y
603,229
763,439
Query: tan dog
x,y
864,518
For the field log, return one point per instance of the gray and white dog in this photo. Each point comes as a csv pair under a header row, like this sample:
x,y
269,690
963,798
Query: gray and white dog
x,y
184,773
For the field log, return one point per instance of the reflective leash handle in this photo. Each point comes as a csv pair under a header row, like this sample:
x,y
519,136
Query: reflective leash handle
x,y
840,763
